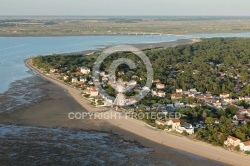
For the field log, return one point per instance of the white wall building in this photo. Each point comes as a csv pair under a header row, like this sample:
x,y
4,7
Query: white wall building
x,y
245,146
85,70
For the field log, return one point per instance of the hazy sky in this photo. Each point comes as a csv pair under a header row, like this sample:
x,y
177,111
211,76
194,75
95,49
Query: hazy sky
x,y
125,7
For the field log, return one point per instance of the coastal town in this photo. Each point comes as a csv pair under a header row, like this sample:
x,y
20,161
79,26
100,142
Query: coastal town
x,y
168,120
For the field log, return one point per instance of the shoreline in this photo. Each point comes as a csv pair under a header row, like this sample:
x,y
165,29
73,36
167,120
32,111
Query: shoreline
x,y
118,34
180,143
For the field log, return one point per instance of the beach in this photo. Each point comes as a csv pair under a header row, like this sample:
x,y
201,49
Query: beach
x,y
60,99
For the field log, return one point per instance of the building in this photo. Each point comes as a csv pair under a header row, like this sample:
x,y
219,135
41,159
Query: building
x,y
186,127
83,79
232,141
77,74
193,91
160,86
160,122
160,93
175,123
179,105
224,95
85,70
74,80
238,119
176,96
245,146
246,98
52,70
65,77
179,91
92,92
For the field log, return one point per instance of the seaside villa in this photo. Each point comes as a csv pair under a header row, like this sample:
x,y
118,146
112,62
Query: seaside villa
x,y
232,141
85,70
245,146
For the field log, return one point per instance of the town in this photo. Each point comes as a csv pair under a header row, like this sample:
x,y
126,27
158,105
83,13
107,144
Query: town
x,y
216,112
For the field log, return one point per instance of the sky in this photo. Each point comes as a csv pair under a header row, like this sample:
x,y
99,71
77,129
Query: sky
x,y
126,7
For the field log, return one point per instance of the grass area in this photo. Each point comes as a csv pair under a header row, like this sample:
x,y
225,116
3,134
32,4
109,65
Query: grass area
x,y
58,26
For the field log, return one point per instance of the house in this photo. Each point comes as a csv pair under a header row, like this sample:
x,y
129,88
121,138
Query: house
x,y
200,97
131,83
65,77
108,101
179,91
52,70
77,74
179,105
208,96
192,91
85,70
246,98
232,141
93,92
217,104
83,79
160,86
176,96
175,123
238,117
230,100
224,95
74,80
160,93
186,127
156,80
216,121
245,146
160,122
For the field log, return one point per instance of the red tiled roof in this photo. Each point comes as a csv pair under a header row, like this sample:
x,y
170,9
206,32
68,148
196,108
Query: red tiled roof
x,y
247,143
177,95
77,73
239,116
176,120
233,138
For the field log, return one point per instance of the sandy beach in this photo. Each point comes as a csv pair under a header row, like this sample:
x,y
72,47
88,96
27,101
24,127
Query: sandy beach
x,y
61,99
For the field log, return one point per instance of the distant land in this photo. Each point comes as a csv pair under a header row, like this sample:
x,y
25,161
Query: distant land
x,y
120,25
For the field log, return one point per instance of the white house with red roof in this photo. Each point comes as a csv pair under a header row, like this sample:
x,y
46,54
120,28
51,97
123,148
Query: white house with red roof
x,y
238,119
245,146
175,123
176,96
93,91
160,122
232,141
74,80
